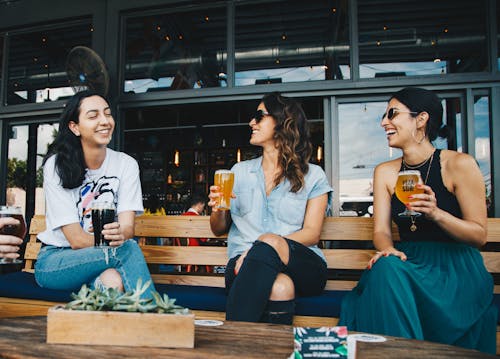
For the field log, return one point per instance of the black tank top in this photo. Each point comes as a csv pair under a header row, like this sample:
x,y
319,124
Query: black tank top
x,y
427,230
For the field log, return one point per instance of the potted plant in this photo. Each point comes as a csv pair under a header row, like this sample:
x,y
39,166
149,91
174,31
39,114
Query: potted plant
x,y
110,317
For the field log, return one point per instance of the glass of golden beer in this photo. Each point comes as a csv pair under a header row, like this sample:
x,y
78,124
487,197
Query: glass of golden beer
x,y
406,186
224,179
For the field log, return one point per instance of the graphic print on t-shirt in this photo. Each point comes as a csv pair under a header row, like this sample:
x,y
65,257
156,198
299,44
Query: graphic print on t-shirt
x,y
104,188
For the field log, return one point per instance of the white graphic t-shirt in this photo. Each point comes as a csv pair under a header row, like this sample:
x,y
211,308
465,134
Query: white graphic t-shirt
x,y
117,181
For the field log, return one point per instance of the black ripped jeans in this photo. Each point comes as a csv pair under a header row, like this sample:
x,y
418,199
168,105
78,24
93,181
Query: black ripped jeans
x,y
249,291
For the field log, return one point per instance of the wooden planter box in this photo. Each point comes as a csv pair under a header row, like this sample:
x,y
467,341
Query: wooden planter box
x,y
120,328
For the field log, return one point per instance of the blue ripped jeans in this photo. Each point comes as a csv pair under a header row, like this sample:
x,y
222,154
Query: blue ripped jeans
x,y
68,269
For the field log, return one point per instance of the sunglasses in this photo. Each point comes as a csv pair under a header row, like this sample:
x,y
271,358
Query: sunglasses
x,y
393,112
259,115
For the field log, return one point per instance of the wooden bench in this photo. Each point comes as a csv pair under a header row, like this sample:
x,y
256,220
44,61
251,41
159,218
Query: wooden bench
x,y
351,237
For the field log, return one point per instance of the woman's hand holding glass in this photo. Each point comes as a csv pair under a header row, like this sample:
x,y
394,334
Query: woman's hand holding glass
x,y
113,234
9,244
12,228
213,198
424,202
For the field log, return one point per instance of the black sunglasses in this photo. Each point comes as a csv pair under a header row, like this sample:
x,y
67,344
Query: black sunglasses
x,y
259,115
393,112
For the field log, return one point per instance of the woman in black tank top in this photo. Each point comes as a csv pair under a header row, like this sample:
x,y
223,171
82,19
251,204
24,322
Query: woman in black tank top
x,y
432,284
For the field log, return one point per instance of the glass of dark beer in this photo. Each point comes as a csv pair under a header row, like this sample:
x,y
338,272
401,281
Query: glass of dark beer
x,y
103,212
18,230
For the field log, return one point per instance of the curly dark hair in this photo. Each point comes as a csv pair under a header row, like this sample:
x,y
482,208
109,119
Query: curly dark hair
x,y
70,162
292,138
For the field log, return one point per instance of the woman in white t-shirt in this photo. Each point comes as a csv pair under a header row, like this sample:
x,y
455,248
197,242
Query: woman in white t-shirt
x,y
78,169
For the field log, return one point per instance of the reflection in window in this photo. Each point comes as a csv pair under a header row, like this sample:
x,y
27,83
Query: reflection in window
x,y
18,164
285,41
359,153
17,180
37,61
176,51
394,40
46,134
498,33
482,146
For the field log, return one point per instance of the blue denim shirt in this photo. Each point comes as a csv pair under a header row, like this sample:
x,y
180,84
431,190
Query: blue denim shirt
x,y
282,212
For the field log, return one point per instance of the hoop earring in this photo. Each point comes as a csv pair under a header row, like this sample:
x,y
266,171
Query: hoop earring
x,y
415,138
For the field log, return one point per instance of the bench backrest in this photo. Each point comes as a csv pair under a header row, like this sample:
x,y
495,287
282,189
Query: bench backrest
x,y
343,233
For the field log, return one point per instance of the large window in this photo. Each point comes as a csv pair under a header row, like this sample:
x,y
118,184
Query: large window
x,y
411,38
179,147
175,51
290,41
37,63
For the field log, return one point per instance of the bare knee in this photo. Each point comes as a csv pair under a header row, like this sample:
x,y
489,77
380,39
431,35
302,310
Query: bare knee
x,y
110,278
279,244
283,288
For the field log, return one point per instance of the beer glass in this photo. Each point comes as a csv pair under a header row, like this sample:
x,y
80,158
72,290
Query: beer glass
x,y
406,186
103,212
18,230
225,180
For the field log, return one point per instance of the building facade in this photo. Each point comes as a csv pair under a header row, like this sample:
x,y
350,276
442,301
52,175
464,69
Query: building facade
x,y
184,78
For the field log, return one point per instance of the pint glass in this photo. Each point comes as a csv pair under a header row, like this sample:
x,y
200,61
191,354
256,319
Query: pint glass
x,y
225,180
18,230
406,186
103,212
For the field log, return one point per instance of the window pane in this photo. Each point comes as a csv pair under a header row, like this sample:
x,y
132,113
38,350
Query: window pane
x,y
1,56
45,136
176,51
411,38
285,41
452,117
360,152
498,33
482,134
37,61
17,180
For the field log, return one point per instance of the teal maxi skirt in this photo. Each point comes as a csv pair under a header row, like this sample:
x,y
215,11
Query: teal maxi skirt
x,y
442,293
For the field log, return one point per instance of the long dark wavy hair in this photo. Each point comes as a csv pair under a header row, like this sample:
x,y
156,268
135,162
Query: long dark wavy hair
x,y
292,138
70,162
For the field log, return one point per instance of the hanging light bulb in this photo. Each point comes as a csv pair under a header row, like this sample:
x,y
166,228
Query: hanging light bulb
x,y
238,155
319,154
176,158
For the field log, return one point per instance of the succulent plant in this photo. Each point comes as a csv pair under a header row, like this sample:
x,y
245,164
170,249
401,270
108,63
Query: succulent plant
x,y
110,299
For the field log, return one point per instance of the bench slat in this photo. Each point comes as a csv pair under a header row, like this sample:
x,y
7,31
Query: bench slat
x,y
174,226
492,261
348,258
185,255
207,281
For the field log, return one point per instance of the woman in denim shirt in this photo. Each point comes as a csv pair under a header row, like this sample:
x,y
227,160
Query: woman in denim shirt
x,y
275,219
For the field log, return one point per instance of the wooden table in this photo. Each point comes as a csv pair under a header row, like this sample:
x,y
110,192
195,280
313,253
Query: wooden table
x,y
25,338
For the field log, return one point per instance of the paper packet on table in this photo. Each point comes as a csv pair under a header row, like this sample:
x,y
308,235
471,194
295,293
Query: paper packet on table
x,y
320,342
